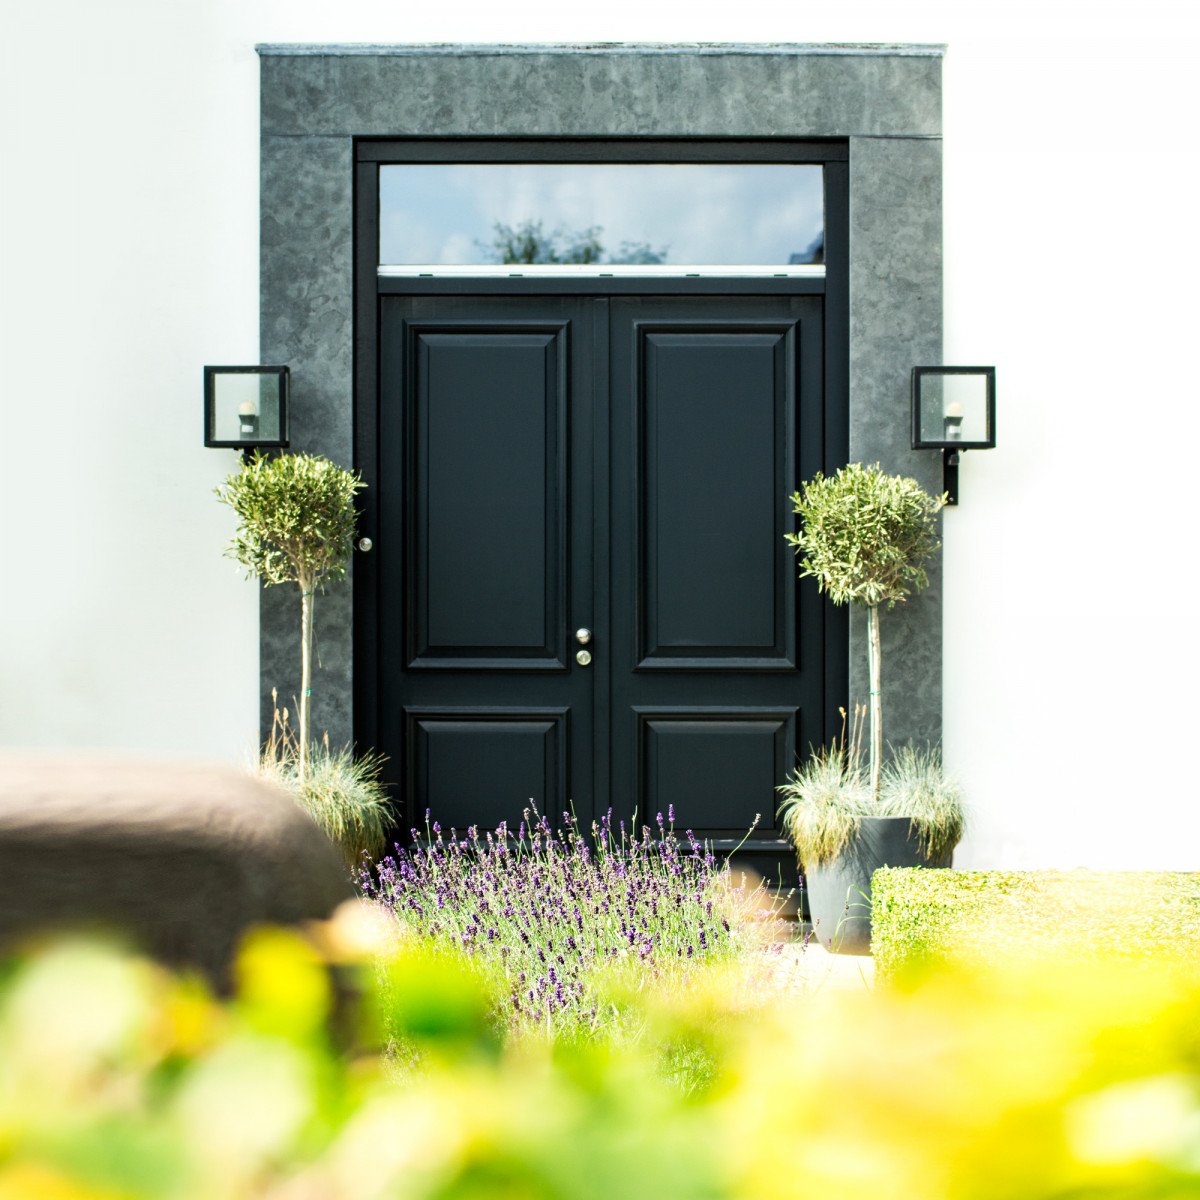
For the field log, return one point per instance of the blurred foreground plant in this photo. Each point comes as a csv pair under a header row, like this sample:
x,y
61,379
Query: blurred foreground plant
x,y
1045,1082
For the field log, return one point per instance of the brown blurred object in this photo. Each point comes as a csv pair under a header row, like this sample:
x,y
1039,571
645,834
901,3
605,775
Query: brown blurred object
x,y
179,857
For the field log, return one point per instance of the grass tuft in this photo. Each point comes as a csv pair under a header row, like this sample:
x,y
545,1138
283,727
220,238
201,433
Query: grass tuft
x,y
826,798
822,804
341,791
915,785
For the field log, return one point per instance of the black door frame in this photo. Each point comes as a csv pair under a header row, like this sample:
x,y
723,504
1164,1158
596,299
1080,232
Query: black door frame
x,y
370,154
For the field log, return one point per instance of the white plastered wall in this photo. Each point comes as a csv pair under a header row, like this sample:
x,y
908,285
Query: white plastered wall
x,y
129,230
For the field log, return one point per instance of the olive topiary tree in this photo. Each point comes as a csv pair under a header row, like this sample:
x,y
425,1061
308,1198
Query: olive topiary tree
x,y
865,538
296,521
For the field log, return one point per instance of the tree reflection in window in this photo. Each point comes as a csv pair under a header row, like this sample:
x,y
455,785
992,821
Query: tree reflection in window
x,y
529,242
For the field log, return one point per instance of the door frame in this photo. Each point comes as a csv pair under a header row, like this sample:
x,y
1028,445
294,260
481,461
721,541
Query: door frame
x,y
371,154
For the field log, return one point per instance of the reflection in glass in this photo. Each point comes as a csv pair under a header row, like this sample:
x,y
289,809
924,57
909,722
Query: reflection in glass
x,y
602,214
954,406
243,405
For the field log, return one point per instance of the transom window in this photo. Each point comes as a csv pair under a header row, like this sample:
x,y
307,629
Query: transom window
x,y
601,218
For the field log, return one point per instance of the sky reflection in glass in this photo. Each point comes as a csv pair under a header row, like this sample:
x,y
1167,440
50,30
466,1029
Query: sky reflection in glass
x,y
664,213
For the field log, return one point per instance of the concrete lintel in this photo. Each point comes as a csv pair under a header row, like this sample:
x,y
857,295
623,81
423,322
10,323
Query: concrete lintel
x,y
548,93
448,49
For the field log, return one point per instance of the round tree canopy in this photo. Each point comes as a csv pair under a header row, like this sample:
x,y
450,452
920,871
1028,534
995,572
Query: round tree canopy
x,y
295,518
866,535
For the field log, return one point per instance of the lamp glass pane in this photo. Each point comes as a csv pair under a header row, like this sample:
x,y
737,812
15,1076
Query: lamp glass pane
x,y
954,408
606,214
246,407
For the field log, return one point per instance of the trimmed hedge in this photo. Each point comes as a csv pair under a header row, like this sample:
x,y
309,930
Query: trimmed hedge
x,y
918,916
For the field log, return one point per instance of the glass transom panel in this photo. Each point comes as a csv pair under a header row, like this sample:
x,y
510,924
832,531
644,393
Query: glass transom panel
x,y
601,218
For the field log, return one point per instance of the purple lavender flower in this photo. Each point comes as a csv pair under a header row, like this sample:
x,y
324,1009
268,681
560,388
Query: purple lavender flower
x,y
548,905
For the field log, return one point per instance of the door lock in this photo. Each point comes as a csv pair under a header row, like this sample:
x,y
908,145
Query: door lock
x,y
365,544
583,657
583,636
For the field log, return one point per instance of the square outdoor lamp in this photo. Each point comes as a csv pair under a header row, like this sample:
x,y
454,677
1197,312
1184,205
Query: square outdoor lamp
x,y
245,408
953,409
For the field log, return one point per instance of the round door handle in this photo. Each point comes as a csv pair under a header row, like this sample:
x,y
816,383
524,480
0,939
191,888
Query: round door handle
x,y
365,544
583,636
583,657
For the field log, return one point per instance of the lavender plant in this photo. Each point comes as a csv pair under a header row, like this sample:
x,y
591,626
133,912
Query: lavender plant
x,y
554,913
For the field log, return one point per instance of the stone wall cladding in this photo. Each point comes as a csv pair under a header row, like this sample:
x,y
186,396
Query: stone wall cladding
x,y
886,100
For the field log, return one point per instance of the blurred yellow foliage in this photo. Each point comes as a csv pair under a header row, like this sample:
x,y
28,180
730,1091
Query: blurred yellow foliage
x,y
348,1065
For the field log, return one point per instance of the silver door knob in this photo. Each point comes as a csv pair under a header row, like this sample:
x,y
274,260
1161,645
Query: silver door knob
x,y
583,636
365,544
583,657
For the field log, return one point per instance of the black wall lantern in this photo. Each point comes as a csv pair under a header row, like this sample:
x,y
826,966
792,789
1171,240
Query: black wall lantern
x,y
953,409
246,408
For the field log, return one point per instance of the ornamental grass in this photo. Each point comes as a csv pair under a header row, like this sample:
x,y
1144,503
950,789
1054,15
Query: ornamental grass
x,y
340,790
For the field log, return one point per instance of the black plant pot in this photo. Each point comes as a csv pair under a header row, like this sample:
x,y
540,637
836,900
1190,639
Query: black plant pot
x,y
839,893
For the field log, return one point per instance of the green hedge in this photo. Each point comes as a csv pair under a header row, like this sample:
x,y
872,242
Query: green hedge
x,y
921,915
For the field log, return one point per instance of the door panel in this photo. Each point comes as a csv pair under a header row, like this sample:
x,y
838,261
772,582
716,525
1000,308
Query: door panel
x,y
468,769
714,422
712,768
490,414
485,553
717,655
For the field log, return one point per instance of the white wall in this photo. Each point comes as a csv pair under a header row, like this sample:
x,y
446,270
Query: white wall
x,y
129,229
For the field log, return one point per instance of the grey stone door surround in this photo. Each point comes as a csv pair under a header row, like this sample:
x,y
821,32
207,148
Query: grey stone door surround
x,y
885,99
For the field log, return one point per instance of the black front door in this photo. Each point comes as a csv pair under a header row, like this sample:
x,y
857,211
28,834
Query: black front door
x,y
584,595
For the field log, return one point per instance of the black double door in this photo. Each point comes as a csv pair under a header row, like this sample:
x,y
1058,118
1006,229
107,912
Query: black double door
x,y
584,594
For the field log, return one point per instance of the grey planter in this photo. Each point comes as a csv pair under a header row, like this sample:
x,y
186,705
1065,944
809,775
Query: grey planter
x,y
839,893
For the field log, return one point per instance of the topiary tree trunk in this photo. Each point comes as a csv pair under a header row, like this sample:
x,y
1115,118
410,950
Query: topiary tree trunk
x,y
875,665
306,639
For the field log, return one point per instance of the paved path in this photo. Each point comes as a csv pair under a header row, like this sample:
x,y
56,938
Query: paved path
x,y
795,967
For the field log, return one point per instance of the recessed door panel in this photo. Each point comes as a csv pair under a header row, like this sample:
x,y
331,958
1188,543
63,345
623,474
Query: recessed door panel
x,y
481,769
716,770
716,435
488,462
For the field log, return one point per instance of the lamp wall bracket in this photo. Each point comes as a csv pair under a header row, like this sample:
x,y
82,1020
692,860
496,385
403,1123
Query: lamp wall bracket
x,y
950,459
